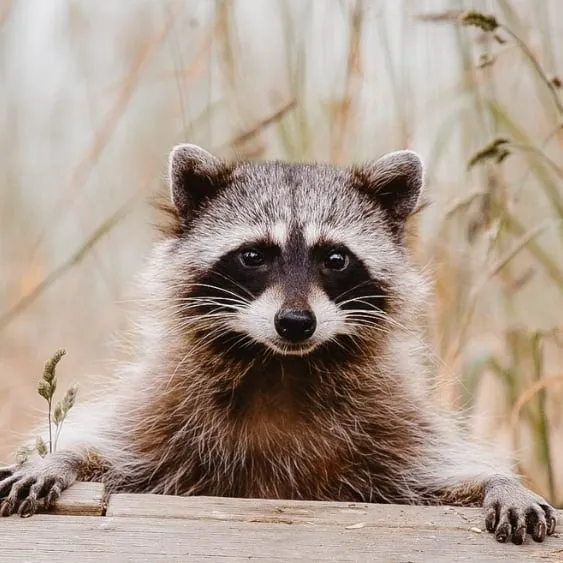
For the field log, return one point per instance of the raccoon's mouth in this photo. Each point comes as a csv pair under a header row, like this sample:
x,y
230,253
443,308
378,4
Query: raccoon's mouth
x,y
293,349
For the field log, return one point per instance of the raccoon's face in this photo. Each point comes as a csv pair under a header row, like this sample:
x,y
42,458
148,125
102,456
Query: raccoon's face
x,y
290,257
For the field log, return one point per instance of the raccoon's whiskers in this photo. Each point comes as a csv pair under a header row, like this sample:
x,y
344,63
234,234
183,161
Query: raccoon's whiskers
x,y
370,317
353,288
219,330
362,299
217,305
198,285
341,344
205,320
231,280
242,340
360,324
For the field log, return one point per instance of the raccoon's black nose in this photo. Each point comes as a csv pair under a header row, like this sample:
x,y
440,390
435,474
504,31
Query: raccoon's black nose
x,y
295,325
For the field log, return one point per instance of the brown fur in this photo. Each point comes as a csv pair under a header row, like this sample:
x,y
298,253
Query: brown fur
x,y
261,442
204,410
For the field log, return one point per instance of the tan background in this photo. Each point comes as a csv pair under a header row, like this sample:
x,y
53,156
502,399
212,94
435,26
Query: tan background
x,y
96,93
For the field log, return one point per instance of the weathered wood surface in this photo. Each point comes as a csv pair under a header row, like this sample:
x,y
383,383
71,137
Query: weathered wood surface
x,y
84,499
156,528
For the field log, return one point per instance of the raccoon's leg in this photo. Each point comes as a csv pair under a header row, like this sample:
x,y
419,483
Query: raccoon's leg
x,y
459,471
512,511
24,486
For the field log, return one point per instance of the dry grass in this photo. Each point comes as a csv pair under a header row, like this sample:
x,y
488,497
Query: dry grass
x,y
96,93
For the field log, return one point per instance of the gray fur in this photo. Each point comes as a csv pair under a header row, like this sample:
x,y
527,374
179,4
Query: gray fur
x,y
368,433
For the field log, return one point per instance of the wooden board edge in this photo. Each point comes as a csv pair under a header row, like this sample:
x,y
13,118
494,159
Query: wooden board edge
x,y
82,499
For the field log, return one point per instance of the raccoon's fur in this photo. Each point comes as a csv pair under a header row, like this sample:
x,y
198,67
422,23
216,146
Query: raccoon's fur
x,y
280,355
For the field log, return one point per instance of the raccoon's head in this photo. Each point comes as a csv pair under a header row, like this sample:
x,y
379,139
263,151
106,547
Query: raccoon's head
x,y
290,258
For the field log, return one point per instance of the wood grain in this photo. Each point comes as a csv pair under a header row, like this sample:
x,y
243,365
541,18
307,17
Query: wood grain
x,y
82,499
48,538
163,528
293,512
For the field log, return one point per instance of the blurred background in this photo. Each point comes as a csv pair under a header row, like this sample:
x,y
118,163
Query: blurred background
x,y
94,95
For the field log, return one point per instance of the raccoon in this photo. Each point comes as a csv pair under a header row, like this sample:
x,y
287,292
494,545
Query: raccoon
x,y
281,356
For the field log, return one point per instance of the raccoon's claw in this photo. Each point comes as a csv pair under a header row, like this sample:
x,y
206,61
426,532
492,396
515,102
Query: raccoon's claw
x,y
8,471
513,512
23,487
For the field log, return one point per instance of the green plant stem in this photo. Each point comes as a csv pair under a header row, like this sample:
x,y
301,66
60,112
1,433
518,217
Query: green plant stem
x,y
539,153
542,422
58,432
495,268
537,67
50,431
550,266
541,148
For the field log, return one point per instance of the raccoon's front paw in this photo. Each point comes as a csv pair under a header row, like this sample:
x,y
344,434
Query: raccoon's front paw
x,y
23,487
513,511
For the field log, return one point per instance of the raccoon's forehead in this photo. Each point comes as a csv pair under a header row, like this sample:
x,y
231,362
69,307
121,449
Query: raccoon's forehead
x,y
275,203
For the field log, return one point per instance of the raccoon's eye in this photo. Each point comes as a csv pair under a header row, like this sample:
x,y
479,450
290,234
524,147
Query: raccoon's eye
x,y
336,260
252,258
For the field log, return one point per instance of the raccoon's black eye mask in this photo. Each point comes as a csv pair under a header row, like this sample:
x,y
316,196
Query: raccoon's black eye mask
x,y
249,270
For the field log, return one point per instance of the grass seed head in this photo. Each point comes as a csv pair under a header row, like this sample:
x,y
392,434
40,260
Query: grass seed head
x,y
49,371
495,150
41,446
485,22
46,389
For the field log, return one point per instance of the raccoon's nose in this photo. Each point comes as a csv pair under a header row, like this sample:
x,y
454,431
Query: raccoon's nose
x,y
295,325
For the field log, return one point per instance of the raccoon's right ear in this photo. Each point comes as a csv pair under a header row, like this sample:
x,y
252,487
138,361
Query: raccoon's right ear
x,y
195,177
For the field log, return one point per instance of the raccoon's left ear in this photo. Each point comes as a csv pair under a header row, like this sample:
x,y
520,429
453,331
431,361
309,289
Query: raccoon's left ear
x,y
395,181
195,176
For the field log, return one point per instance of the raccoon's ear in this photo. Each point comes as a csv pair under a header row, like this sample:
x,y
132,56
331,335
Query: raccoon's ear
x,y
194,176
395,181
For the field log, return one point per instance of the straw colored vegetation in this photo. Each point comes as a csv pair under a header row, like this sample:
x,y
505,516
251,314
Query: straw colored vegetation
x,y
95,93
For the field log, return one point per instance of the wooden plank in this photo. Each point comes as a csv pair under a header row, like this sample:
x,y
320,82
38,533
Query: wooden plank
x,y
293,512
82,499
49,538
297,512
